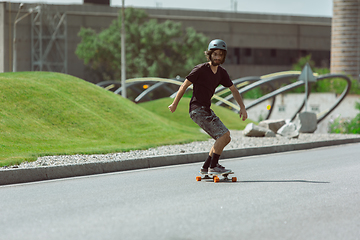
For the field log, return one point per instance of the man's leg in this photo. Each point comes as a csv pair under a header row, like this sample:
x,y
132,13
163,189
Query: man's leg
x,y
218,148
220,144
206,165
211,124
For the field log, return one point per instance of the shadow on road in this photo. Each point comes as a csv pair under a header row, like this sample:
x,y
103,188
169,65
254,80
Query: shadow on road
x,y
281,181
264,181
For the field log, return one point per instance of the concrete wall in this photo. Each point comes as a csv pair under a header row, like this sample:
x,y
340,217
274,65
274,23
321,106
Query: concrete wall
x,y
258,32
286,106
291,36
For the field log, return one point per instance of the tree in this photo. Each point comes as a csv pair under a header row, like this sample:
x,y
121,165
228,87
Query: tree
x,y
156,49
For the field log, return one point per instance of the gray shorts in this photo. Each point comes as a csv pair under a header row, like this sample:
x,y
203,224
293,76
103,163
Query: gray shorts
x,y
209,122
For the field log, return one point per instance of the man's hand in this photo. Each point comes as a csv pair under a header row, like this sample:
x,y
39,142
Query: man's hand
x,y
179,95
172,107
237,97
243,114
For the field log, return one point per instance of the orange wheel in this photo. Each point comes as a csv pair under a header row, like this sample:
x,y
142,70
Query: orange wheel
x,y
216,179
198,178
234,179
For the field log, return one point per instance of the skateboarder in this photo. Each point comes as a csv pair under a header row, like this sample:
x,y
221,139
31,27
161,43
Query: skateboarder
x,y
205,78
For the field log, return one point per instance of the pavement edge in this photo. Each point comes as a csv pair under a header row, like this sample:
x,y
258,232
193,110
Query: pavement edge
x,y
24,175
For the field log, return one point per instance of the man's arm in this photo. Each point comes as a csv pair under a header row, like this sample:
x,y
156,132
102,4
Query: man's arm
x,y
239,100
179,95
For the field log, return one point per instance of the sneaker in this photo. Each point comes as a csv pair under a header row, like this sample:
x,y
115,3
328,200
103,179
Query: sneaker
x,y
222,167
203,171
217,170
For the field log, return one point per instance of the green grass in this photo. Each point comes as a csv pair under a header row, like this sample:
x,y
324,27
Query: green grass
x,y
181,115
45,113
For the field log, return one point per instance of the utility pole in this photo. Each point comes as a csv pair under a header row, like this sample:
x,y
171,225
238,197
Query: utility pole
x,y
233,5
123,56
14,38
18,19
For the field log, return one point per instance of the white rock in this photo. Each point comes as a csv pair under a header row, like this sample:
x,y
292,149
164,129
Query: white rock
x,y
273,125
251,130
289,130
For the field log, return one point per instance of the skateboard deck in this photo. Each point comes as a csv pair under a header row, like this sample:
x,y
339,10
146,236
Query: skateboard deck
x,y
216,178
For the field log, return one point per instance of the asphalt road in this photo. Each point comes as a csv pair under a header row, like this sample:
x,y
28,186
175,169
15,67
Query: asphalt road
x,y
310,194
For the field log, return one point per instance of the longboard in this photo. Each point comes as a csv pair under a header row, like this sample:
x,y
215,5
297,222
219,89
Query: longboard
x,y
215,177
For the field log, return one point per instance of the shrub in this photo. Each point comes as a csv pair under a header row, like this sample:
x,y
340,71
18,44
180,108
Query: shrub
x,y
343,125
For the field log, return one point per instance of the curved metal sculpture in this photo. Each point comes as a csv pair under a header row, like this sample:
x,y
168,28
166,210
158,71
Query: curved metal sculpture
x,y
321,116
243,85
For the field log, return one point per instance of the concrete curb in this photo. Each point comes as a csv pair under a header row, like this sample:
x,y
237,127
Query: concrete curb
x,y
23,175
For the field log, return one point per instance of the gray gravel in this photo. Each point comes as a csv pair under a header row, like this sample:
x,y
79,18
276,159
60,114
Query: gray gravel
x,y
238,141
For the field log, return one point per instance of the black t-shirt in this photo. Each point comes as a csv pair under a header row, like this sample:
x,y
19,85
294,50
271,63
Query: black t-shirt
x,y
204,84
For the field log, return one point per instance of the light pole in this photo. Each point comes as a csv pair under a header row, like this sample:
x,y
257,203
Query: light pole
x,y
123,57
14,39
17,19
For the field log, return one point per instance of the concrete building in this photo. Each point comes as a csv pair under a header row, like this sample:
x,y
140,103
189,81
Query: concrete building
x,y
46,38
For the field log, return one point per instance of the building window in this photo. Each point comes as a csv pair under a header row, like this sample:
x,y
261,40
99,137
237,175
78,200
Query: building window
x,y
303,53
248,52
282,108
273,52
237,55
315,108
273,56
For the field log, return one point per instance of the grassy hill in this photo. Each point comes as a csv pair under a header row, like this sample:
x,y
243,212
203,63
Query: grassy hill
x,y
45,113
181,115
